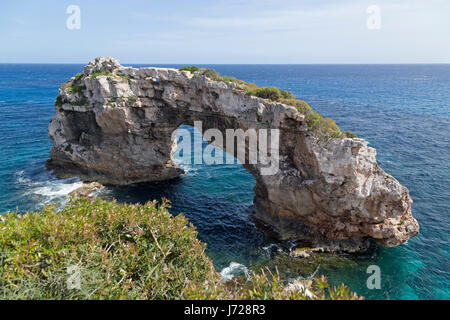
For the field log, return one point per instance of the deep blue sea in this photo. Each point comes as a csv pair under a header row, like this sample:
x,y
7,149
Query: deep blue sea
x,y
402,110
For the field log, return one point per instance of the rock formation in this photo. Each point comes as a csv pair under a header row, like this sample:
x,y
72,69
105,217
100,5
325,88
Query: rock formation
x,y
114,124
86,190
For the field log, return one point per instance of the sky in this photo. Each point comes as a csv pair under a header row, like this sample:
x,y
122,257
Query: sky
x,y
227,31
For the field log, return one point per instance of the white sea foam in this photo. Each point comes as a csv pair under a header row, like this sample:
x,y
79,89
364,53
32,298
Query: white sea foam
x,y
55,189
189,170
234,269
21,178
46,190
270,247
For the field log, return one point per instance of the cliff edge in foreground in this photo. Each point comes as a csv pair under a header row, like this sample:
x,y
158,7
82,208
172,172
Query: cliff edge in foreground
x,y
114,124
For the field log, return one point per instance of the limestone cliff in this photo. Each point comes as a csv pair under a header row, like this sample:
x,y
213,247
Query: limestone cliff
x,y
114,124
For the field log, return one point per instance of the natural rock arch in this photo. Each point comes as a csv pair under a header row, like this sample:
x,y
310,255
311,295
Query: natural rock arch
x,y
114,125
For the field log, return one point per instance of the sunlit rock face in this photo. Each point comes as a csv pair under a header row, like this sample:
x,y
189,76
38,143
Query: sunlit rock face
x,y
115,125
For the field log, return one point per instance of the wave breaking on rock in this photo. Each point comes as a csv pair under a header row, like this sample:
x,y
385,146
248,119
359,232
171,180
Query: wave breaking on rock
x,y
114,125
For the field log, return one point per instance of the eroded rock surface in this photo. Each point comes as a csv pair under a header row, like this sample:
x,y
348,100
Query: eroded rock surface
x,y
86,190
114,124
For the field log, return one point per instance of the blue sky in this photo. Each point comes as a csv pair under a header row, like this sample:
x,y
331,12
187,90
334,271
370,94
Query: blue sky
x,y
233,31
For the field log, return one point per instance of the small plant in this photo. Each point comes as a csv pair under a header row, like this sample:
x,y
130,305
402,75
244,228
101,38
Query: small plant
x,y
300,105
111,102
76,89
101,73
287,94
74,86
123,76
191,69
349,134
79,76
271,93
132,99
82,102
68,148
58,101
212,74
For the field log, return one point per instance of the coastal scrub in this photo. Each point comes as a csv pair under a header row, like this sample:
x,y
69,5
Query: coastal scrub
x,y
324,127
123,251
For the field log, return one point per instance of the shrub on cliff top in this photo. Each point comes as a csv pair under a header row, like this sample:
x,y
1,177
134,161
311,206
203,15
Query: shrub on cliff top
x,y
349,134
74,85
122,252
287,94
101,73
212,74
190,69
324,127
271,93
300,105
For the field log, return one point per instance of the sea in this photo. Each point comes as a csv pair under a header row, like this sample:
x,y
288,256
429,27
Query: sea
x,y
402,110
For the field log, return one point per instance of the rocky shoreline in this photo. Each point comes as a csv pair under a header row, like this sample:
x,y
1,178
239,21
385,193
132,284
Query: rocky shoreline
x,y
87,190
114,125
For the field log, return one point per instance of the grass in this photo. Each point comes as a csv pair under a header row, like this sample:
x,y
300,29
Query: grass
x,y
326,128
123,252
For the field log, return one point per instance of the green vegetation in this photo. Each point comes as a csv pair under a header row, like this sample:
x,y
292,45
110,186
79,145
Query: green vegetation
x,y
212,74
349,134
325,127
74,85
271,93
78,77
190,69
58,101
123,252
111,102
307,265
68,148
267,285
132,99
75,88
82,102
123,76
101,73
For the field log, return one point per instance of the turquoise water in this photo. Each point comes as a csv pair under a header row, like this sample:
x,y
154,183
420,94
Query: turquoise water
x,y
402,110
